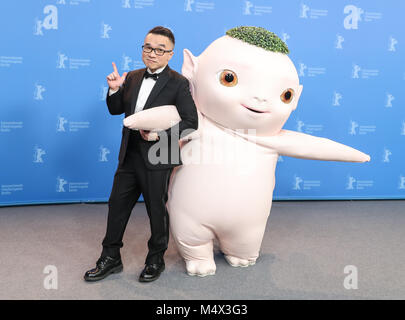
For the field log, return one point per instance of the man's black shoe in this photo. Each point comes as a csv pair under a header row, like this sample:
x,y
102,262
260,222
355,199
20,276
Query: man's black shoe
x,y
151,272
104,267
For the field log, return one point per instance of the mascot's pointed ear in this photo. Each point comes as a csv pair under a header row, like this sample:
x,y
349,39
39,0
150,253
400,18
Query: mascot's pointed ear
x,y
189,65
298,96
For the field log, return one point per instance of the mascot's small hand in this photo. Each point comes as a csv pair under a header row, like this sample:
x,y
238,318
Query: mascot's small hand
x,y
149,135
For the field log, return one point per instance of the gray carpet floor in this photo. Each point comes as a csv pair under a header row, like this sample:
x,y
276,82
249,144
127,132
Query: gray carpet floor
x,y
305,249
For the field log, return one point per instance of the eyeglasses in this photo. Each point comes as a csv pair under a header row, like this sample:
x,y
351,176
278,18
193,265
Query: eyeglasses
x,y
158,51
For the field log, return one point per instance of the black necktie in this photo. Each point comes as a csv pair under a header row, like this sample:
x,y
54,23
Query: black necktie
x,y
154,76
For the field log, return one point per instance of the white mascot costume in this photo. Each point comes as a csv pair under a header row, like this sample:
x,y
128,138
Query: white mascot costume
x,y
245,87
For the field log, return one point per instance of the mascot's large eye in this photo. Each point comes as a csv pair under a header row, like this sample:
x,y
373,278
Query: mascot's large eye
x,y
287,95
228,78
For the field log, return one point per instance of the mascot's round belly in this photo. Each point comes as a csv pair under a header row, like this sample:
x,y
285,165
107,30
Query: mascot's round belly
x,y
225,182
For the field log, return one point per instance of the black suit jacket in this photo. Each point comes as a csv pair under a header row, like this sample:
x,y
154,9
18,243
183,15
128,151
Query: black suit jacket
x,y
171,88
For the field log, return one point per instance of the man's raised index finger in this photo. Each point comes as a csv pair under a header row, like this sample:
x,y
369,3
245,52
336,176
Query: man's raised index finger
x,y
115,67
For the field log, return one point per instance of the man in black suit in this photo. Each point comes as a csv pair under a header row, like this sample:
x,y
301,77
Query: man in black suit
x,y
137,171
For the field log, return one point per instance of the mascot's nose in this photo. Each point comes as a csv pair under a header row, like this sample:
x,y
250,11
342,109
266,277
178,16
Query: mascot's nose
x,y
259,100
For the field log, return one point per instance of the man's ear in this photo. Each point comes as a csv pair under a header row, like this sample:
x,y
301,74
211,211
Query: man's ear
x,y
171,55
189,67
297,96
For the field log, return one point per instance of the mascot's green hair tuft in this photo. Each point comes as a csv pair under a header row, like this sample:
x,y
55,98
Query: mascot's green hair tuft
x,y
259,37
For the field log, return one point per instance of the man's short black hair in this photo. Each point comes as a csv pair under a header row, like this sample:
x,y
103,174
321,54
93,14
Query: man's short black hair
x,y
163,32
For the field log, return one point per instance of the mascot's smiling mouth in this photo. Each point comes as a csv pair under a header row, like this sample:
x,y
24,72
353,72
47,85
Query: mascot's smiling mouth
x,y
254,110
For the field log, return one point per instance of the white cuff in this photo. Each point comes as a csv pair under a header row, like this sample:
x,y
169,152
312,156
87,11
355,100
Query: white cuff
x,y
111,92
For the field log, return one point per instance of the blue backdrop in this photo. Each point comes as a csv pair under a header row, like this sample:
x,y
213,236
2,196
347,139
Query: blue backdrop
x,y
59,144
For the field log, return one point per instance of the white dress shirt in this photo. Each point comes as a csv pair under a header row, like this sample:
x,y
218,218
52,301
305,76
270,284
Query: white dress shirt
x,y
144,92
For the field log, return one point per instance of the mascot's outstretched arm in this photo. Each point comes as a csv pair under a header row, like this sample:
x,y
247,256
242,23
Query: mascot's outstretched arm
x,y
301,145
157,119
304,146
154,119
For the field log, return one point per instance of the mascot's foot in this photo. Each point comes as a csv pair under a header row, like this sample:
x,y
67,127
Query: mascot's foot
x,y
238,262
200,268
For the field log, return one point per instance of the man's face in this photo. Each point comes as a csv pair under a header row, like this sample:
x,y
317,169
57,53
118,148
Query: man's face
x,y
151,59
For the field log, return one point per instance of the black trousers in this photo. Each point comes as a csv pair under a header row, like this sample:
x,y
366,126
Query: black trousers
x,y
130,180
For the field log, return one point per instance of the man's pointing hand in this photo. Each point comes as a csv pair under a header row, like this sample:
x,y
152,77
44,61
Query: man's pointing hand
x,y
114,79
